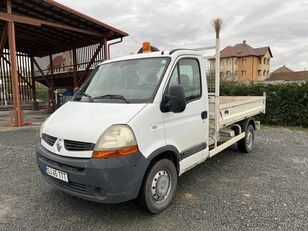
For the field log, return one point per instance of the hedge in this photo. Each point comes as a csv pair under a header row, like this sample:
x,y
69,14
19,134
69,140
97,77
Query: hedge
x,y
286,104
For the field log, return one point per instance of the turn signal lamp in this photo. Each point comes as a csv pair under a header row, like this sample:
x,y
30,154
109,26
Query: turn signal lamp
x,y
117,140
146,47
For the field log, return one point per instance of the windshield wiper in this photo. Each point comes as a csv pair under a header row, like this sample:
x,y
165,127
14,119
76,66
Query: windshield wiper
x,y
87,95
111,97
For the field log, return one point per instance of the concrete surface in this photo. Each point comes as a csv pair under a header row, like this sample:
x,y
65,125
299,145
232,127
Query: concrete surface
x,y
35,117
264,190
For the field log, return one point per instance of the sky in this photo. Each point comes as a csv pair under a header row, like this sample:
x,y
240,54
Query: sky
x,y
282,25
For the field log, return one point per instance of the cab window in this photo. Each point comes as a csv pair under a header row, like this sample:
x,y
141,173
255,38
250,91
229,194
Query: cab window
x,y
187,74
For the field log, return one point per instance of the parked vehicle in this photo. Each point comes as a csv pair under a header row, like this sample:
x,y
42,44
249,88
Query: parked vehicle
x,y
137,124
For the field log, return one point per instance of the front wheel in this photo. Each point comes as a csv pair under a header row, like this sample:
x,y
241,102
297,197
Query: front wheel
x,y
159,186
246,144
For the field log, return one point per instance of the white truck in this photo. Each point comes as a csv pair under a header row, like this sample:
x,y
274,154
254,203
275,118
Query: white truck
x,y
138,123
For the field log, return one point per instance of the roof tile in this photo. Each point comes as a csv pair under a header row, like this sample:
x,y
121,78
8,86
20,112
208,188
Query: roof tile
x,y
243,50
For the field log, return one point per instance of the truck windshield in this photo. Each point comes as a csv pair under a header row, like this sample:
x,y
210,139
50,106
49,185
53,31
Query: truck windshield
x,y
129,81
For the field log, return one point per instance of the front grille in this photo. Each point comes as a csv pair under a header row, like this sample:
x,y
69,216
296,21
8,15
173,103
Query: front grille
x,y
72,186
72,145
49,139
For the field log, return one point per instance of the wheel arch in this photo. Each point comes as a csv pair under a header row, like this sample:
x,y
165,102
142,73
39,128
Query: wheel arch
x,y
243,124
249,121
169,152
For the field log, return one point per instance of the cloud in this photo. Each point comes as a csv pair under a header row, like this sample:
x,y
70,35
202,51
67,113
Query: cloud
x,y
282,25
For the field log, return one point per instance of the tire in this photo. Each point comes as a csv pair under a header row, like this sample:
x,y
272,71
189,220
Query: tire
x,y
159,186
246,144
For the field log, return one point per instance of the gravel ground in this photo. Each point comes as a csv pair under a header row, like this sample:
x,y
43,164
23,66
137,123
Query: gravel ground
x,y
264,190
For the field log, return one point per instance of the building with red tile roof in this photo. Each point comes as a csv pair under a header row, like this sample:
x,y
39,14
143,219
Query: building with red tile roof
x,y
285,74
243,63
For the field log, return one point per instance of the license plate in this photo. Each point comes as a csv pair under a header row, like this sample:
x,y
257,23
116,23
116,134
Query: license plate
x,y
56,173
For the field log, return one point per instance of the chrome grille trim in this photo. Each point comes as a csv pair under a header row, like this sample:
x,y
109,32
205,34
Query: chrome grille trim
x,y
72,145
49,139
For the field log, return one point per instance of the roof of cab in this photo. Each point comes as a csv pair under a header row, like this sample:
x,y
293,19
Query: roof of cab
x,y
176,53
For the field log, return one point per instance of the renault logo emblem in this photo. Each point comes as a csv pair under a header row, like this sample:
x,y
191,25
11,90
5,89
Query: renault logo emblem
x,y
59,145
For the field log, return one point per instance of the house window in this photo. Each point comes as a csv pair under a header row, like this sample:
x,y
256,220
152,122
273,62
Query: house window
x,y
259,72
243,61
227,74
243,73
264,73
268,61
264,60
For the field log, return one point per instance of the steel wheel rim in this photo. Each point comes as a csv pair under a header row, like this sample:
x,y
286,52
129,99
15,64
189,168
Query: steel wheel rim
x,y
249,139
161,186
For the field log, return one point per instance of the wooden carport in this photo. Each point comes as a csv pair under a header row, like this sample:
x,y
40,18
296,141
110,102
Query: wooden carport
x,y
40,28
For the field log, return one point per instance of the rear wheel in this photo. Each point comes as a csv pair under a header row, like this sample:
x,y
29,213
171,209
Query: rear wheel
x,y
159,186
246,144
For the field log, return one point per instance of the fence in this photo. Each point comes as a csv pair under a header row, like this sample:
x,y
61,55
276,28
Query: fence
x,y
25,81
62,63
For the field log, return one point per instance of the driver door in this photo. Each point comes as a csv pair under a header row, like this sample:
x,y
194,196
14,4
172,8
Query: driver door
x,y
188,130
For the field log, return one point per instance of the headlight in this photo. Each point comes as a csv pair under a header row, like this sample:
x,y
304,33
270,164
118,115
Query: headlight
x,y
118,140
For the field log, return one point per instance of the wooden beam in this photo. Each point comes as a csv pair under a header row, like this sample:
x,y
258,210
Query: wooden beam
x,y
84,74
3,39
53,17
40,70
32,37
58,35
38,22
65,8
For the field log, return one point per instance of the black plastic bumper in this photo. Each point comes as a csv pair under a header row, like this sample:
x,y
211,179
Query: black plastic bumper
x,y
112,180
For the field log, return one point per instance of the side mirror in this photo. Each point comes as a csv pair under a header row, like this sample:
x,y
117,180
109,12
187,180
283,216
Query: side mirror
x,y
175,101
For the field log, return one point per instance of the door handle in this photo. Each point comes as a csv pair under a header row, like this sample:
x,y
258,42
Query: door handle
x,y
204,115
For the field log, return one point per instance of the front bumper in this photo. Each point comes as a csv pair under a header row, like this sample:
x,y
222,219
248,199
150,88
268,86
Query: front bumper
x,y
111,180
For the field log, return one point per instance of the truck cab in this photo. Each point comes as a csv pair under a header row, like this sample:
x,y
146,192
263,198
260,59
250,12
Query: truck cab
x,y
135,125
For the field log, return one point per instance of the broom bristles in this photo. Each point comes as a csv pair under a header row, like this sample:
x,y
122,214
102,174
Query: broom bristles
x,y
217,24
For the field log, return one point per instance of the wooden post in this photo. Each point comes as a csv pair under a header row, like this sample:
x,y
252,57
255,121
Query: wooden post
x,y
35,104
51,103
105,49
40,70
16,114
75,68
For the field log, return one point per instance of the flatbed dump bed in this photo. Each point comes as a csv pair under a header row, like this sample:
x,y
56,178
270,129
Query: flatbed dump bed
x,y
233,109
